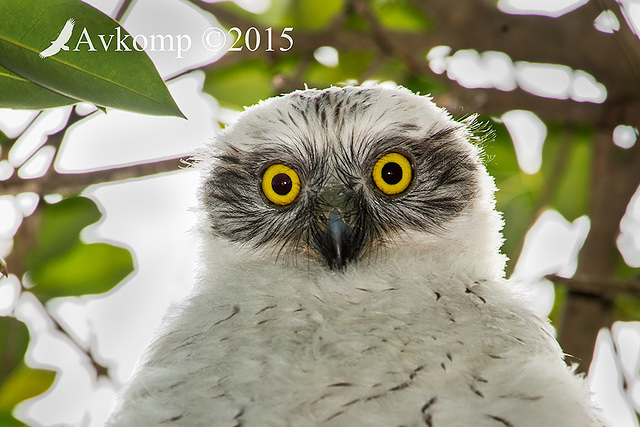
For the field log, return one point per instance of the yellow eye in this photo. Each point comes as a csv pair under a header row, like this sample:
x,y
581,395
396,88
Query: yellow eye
x,y
392,173
280,184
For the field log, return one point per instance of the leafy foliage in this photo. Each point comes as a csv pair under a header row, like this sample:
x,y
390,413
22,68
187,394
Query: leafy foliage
x,y
107,71
18,382
61,265
18,92
84,269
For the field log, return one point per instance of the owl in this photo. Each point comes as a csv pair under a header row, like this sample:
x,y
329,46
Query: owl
x,y
351,275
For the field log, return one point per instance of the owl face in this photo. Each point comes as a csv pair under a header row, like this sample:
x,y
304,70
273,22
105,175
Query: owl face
x,y
335,175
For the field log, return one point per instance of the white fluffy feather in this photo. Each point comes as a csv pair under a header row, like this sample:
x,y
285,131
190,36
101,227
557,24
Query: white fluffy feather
x,y
425,332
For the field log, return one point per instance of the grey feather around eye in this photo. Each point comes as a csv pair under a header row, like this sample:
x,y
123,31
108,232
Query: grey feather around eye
x,y
324,140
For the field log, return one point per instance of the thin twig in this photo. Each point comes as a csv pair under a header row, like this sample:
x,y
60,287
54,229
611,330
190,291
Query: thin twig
x,y
16,185
124,7
55,139
100,369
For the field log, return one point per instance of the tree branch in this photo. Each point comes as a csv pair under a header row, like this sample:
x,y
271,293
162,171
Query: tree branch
x,y
616,176
481,26
70,183
55,139
597,286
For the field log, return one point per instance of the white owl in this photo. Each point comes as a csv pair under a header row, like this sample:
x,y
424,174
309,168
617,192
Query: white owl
x,y
352,276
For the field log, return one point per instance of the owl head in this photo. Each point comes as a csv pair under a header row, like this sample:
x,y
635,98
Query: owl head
x,y
345,176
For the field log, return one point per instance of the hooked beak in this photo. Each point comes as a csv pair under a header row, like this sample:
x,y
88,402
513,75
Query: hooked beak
x,y
338,243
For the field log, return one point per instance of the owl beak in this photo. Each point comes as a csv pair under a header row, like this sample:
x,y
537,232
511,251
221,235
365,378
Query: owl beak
x,y
339,244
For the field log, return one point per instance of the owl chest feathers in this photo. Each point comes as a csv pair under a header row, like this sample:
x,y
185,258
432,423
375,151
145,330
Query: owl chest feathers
x,y
294,347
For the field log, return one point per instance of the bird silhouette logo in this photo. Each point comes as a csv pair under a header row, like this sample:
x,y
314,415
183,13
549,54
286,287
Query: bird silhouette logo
x,y
61,41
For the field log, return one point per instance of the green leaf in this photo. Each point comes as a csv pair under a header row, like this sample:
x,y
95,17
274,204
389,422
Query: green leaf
x,y
60,226
240,84
18,92
18,382
7,420
25,383
61,265
85,269
400,15
125,79
14,340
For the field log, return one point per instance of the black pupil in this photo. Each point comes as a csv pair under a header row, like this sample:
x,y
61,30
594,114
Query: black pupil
x,y
281,184
391,173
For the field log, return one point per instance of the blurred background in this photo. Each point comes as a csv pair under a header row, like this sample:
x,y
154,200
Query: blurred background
x,y
95,209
